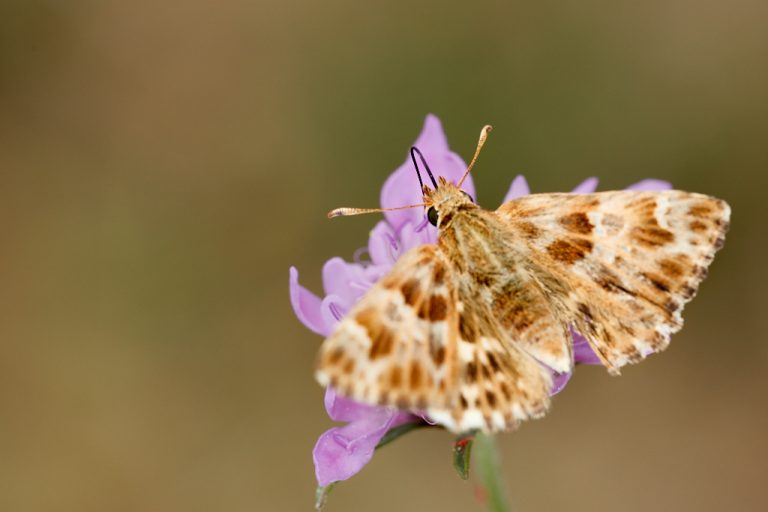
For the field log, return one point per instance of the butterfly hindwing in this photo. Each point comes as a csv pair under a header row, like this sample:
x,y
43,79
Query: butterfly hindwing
x,y
499,383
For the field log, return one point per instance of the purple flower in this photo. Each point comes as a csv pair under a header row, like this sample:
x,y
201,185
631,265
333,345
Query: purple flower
x,y
342,451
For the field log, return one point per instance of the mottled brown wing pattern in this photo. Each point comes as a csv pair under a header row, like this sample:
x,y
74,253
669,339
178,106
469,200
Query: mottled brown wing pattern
x,y
500,385
494,269
620,265
398,345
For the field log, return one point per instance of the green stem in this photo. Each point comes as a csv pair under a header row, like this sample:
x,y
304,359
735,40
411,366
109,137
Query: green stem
x,y
396,432
489,472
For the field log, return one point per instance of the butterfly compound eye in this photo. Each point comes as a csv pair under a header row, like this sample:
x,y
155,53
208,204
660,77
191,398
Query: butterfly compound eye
x,y
432,216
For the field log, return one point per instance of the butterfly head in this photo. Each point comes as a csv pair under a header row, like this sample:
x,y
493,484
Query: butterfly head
x,y
443,201
440,201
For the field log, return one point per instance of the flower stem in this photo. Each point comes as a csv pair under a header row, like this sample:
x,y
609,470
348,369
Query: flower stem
x,y
396,432
488,470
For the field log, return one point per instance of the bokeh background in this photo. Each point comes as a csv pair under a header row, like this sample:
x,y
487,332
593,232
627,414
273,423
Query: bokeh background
x,y
163,163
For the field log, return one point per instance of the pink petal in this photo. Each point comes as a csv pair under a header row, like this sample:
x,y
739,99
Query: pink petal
x,y
340,408
559,380
582,351
306,305
411,236
345,280
587,186
650,185
383,246
343,451
332,310
402,186
519,188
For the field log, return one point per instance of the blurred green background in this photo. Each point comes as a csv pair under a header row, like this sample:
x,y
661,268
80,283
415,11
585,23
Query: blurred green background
x,y
163,163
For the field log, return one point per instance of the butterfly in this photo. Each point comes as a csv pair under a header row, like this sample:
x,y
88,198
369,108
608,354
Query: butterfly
x,y
470,329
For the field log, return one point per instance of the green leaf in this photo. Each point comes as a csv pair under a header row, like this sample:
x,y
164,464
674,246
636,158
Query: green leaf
x,y
462,449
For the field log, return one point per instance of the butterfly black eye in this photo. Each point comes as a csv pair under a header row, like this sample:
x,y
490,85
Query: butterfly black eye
x,y
468,196
432,216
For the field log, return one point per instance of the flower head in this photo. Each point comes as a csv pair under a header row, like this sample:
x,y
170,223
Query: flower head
x,y
342,451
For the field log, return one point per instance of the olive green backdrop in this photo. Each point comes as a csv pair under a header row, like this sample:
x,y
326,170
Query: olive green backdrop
x,y
163,163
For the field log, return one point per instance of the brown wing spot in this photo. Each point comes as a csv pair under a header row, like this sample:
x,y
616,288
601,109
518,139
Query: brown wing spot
x,y
438,355
382,342
671,268
493,362
700,272
577,222
505,391
471,372
438,274
390,282
410,291
569,251
697,226
335,355
395,377
529,229
463,402
438,308
467,329
416,375
349,366
652,236
700,210
611,282
657,281
490,398
671,306
632,354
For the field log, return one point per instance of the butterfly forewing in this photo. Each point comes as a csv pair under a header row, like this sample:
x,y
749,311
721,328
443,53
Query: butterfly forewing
x,y
620,265
398,345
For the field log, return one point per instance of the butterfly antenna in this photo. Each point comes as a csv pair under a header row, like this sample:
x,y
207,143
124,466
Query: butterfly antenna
x,y
483,135
414,149
347,212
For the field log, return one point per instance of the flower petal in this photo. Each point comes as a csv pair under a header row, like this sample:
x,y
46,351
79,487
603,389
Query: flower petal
x,y
344,280
413,236
559,380
340,408
343,451
383,246
587,186
519,188
332,310
402,186
650,185
306,305
582,351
